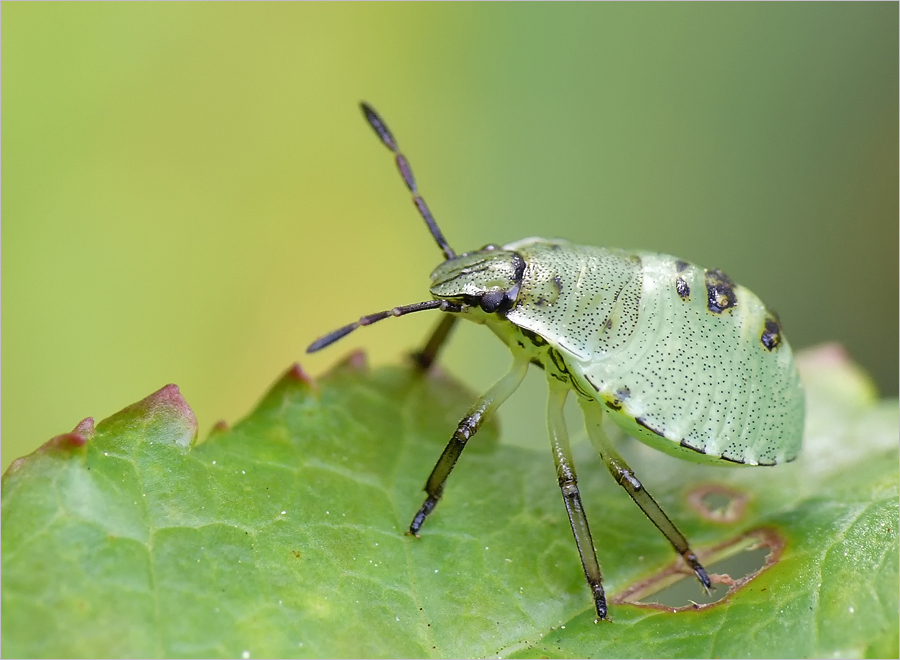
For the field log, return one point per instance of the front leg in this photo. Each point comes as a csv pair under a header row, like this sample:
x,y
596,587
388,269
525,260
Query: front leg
x,y
477,415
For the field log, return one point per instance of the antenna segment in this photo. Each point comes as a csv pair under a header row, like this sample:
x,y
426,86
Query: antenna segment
x,y
384,133
333,336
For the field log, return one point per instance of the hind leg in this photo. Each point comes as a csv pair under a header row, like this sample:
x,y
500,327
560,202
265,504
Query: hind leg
x,y
624,476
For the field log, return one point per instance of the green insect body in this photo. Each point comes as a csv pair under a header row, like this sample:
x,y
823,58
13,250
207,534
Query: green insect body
x,y
644,334
682,358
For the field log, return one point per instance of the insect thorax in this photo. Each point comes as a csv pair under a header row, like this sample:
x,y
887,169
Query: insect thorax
x,y
572,303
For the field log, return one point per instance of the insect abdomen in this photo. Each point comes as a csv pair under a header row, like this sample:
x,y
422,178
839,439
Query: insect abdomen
x,y
703,382
685,359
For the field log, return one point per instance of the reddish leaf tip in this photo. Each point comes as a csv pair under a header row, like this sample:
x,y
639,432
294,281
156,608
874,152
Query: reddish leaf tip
x,y
828,354
217,429
85,427
169,397
297,373
167,402
72,440
829,373
355,361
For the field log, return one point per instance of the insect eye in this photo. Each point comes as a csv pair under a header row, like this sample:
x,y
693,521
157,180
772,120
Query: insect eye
x,y
490,302
490,247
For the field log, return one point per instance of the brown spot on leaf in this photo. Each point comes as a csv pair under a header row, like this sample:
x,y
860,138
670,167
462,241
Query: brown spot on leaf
x,y
718,503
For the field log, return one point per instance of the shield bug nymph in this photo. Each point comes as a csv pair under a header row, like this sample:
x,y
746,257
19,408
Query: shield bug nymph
x,y
682,358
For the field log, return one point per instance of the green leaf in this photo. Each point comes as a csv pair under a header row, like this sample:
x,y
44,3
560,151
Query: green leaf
x,y
284,535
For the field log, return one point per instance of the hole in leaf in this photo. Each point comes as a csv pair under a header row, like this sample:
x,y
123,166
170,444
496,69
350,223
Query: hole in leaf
x,y
686,592
730,566
718,503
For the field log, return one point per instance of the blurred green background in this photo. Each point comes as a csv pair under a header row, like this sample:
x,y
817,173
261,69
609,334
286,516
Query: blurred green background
x,y
191,195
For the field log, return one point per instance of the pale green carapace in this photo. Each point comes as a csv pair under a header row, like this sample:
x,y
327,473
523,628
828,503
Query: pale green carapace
x,y
636,331
681,357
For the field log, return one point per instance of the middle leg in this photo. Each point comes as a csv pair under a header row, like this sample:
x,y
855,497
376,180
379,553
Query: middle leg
x,y
568,484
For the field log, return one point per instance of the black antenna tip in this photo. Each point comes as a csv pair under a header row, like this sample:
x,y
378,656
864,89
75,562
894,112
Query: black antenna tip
x,y
331,337
334,335
378,124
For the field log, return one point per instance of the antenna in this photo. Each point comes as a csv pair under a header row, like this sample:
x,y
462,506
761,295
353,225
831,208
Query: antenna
x,y
333,336
384,133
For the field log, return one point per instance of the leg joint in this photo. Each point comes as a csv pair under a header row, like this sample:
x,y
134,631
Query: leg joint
x,y
625,477
466,429
569,487
633,481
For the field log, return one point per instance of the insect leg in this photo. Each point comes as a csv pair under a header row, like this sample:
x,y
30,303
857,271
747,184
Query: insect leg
x,y
478,413
624,476
426,357
568,484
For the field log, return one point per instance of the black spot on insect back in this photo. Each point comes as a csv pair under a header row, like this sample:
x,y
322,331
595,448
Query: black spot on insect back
x,y
680,265
771,334
720,290
682,288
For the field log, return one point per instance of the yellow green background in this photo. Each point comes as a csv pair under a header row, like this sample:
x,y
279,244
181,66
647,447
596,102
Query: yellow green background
x,y
190,194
